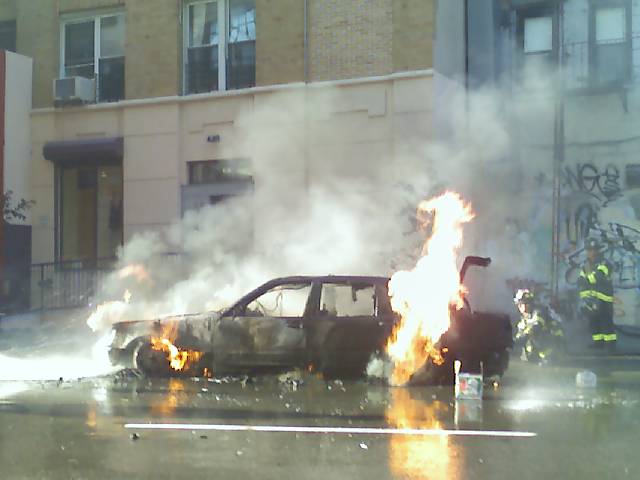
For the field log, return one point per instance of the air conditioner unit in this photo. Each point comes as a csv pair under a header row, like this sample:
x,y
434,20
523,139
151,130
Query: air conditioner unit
x,y
74,90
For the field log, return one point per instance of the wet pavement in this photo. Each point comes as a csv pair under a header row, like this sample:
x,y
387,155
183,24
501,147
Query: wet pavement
x,y
537,424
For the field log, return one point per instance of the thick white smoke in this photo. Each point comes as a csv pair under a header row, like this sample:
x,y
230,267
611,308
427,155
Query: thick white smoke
x,y
319,215
330,213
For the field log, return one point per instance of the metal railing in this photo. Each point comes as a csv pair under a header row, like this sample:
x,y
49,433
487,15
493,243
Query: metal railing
x,y
67,284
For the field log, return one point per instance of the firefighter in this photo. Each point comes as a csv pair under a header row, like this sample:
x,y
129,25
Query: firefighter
x,y
540,336
596,296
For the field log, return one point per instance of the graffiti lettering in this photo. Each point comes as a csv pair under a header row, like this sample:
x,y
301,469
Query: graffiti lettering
x,y
580,221
587,178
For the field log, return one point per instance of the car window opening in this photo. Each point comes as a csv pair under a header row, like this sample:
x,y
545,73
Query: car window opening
x,y
281,301
343,300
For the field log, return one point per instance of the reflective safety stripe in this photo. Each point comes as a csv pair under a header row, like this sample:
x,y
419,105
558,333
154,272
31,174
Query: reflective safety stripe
x,y
594,294
590,277
612,337
597,337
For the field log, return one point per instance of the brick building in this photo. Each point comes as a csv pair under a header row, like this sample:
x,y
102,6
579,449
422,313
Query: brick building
x,y
171,84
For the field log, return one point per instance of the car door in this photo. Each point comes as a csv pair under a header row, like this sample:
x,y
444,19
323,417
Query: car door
x,y
353,321
265,330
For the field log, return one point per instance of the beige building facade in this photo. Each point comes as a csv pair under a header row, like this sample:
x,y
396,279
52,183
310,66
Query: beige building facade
x,y
178,83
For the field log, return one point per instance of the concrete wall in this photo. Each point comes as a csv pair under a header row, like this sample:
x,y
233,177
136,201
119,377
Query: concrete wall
x,y
42,191
599,187
8,10
17,141
374,120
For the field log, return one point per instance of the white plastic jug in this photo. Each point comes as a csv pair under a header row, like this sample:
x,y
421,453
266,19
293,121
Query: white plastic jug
x,y
586,379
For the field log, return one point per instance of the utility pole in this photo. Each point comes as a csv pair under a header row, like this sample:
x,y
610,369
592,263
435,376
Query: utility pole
x,y
558,152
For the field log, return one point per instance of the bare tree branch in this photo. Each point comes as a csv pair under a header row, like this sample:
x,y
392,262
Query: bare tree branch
x,y
12,211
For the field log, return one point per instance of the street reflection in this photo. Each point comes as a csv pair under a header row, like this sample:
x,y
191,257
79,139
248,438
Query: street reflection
x,y
92,417
168,402
414,456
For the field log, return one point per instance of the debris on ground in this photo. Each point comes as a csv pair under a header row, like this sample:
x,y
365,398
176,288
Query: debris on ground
x,y
292,378
134,436
243,380
127,374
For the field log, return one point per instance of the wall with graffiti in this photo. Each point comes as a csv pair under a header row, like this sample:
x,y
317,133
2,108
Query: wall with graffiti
x,y
600,197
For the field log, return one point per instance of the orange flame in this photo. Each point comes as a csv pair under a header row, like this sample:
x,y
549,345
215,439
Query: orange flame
x,y
423,296
136,270
179,360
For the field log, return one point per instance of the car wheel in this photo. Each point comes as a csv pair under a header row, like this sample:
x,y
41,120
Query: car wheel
x,y
148,360
332,370
495,363
434,374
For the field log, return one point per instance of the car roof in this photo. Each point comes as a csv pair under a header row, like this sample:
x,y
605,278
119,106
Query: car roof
x,y
328,279
345,279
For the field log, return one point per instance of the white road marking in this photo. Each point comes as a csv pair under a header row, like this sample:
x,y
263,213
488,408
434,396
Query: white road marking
x,y
336,430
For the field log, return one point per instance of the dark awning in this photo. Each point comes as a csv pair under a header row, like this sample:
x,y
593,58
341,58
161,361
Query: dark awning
x,y
532,3
90,151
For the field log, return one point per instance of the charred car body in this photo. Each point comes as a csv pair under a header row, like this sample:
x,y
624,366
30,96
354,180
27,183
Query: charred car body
x,y
331,324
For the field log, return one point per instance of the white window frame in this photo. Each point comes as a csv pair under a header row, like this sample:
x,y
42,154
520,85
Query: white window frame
x,y
97,25
223,33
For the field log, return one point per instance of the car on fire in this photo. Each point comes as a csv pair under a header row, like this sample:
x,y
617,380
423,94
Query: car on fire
x,y
329,324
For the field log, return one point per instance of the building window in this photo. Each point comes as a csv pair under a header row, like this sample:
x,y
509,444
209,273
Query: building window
x,y
94,48
611,47
8,36
241,50
220,42
537,42
216,171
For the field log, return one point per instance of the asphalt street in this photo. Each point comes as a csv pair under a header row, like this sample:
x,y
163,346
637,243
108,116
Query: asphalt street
x,y
536,424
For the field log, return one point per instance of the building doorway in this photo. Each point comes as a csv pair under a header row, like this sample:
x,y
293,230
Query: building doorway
x,y
89,220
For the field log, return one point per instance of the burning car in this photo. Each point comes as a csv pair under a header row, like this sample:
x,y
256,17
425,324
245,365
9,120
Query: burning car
x,y
330,324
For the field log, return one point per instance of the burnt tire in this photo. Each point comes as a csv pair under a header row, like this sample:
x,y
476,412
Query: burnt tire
x,y
434,374
495,363
344,372
147,360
